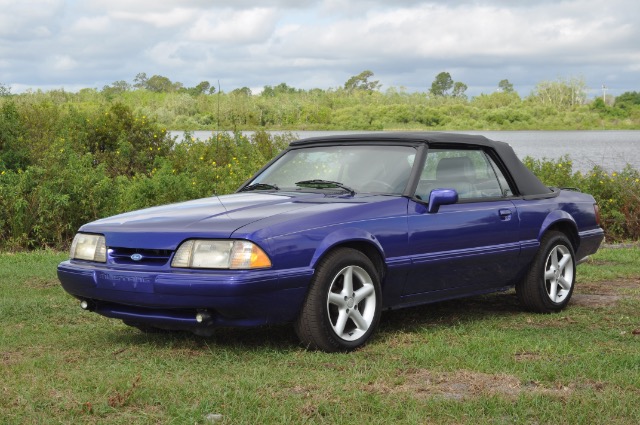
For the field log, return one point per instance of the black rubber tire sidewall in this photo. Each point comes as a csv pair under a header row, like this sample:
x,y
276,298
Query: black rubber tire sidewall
x,y
532,291
313,326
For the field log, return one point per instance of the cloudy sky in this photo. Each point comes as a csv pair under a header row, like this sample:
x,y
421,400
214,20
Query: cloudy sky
x,y
73,44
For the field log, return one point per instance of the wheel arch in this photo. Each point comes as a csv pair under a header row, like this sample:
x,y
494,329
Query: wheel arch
x,y
563,222
357,239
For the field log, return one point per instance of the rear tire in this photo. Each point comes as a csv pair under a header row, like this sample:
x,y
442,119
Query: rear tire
x,y
343,306
548,286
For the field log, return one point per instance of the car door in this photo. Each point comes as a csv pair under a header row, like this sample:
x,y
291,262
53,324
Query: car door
x,y
471,244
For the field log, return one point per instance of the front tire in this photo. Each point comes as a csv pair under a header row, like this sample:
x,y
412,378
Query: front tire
x,y
548,286
343,305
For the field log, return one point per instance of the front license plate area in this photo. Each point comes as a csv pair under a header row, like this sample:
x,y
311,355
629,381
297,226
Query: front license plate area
x,y
129,282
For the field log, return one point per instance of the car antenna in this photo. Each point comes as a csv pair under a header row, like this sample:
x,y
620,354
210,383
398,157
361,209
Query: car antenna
x,y
215,184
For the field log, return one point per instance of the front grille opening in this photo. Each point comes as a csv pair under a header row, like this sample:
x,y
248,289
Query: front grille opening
x,y
156,257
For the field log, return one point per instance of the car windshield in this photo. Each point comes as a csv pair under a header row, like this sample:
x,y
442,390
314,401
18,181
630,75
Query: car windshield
x,y
357,168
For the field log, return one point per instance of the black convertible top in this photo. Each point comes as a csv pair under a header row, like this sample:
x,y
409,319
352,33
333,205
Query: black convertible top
x,y
526,182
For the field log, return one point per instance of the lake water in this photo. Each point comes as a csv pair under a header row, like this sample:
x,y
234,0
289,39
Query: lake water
x,y
609,149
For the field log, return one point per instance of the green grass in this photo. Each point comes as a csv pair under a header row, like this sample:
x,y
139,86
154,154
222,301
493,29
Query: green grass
x,y
480,360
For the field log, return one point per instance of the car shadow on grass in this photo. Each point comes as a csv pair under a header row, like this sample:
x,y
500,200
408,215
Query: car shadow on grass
x,y
452,312
282,338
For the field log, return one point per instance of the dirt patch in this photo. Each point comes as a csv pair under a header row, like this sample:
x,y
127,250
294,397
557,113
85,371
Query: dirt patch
x,y
618,287
10,358
594,300
605,294
41,283
461,385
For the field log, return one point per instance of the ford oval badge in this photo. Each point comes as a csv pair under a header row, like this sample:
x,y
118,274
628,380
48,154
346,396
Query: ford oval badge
x,y
136,257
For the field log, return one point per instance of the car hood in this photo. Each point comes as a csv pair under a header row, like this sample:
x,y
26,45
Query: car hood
x,y
165,227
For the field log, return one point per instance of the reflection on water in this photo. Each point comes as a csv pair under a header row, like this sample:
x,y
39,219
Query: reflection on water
x,y
611,150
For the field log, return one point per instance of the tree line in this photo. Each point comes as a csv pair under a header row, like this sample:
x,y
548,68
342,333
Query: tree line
x,y
360,104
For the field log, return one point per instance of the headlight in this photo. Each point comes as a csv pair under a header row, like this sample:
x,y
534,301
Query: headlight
x,y
89,247
220,254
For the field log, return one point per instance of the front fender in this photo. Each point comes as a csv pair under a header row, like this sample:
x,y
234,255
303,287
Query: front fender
x,y
342,236
555,217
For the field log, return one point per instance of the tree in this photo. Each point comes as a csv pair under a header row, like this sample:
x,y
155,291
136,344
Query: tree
x,y
202,88
121,85
5,90
361,82
159,84
442,84
505,86
459,90
140,82
561,93
244,91
628,99
268,91
117,87
598,104
283,88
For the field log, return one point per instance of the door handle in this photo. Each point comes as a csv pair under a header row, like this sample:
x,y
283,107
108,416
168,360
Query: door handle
x,y
505,214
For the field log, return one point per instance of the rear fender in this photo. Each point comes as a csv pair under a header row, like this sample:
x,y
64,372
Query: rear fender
x,y
557,217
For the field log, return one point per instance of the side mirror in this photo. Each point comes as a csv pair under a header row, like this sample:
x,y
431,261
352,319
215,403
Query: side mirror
x,y
439,197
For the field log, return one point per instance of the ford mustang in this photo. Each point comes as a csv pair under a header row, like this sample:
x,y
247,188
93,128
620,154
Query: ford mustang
x,y
335,230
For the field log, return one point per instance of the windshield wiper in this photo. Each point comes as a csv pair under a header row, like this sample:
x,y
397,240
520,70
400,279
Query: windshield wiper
x,y
325,184
259,186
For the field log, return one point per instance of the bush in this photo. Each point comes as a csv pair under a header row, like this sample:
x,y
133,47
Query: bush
x,y
14,154
62,166
43,207
127,144
107,162
617,193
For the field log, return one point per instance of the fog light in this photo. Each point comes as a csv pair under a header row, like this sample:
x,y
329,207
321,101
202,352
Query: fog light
x,y
203,316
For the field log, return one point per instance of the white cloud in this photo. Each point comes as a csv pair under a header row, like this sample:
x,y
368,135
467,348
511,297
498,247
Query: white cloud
x,y
63,63
171,18
91,24
166,53
318,43
29,18
244,26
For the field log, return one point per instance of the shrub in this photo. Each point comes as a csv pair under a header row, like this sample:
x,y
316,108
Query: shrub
x,y
125,143
43,207
14,154
617,193
62,166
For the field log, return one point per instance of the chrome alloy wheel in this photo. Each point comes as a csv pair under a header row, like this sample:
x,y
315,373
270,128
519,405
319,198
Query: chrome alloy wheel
x,y
558,273
351,303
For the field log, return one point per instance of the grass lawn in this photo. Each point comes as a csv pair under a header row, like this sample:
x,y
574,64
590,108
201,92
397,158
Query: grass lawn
x,y
479,360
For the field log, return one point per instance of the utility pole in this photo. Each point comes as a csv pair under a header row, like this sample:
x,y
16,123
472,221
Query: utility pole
x,y
604,95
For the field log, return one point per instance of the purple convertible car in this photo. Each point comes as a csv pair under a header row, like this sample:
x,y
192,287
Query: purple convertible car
x,y
335,230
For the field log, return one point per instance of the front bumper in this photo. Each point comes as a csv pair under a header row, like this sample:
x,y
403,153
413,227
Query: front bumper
x,y
171,299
